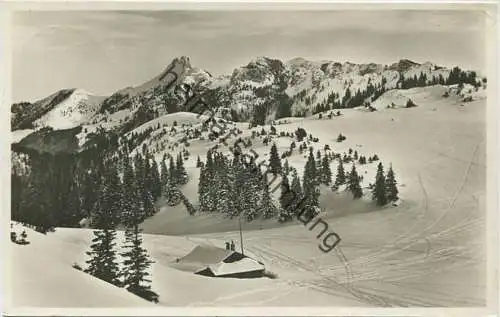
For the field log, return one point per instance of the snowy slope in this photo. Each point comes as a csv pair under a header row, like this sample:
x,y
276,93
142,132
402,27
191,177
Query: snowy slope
x,y
429,251
74,111
18,135
42,276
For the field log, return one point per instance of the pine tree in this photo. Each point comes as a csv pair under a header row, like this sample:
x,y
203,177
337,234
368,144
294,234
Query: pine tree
x,y
182,177
319,163
268,209
224,186
36,202
310,181
379,193
172,193
250,194
354,185
340,178
203,189
130,193
286,203
172,172
102,262
326,172
163,174
274,160
156,186
391,188
72,212
143,183
286,168
297,191
318,157
206,191
136,261
148,177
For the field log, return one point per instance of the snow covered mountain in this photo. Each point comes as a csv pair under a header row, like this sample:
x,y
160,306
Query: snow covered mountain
x,y
264,90
65,109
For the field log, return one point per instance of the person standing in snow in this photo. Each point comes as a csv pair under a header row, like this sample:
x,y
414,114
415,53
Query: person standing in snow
x,y
227,245
232,245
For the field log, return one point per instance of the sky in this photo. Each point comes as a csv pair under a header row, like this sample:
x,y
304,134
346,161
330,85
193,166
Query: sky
x,y
104,51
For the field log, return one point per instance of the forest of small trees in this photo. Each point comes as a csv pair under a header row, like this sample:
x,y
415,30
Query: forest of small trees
x,y
61,189
237,187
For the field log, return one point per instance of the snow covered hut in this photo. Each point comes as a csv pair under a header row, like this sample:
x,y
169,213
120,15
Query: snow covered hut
x,y
218,262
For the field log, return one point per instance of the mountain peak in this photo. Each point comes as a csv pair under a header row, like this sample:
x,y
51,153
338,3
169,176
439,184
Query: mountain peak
x,y
184,60
403,65
259,60
297,61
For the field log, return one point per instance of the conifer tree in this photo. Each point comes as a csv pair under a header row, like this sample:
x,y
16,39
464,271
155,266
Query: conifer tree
x,y
250,194
172,193
72,212
156,185
340,178
182,177
148,173
310,181
354,185
203,189
319,165
136,260
274,160
286,197
379,193
286,168
391,188
163,174
223,184
297,191
207,192
146,200
102,262
268,209
326,172
130,193
172,172
36,201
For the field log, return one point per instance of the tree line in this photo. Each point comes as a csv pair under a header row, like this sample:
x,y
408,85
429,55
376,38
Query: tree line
x,y
238,187
61,189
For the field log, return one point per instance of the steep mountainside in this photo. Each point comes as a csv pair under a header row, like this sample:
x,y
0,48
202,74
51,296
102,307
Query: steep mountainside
x,y
263,90
67,108
266,89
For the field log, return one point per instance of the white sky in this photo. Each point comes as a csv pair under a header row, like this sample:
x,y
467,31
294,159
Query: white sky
x,y
105,51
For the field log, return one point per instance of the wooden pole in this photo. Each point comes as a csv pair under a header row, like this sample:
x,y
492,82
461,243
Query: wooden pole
x,y
241,235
